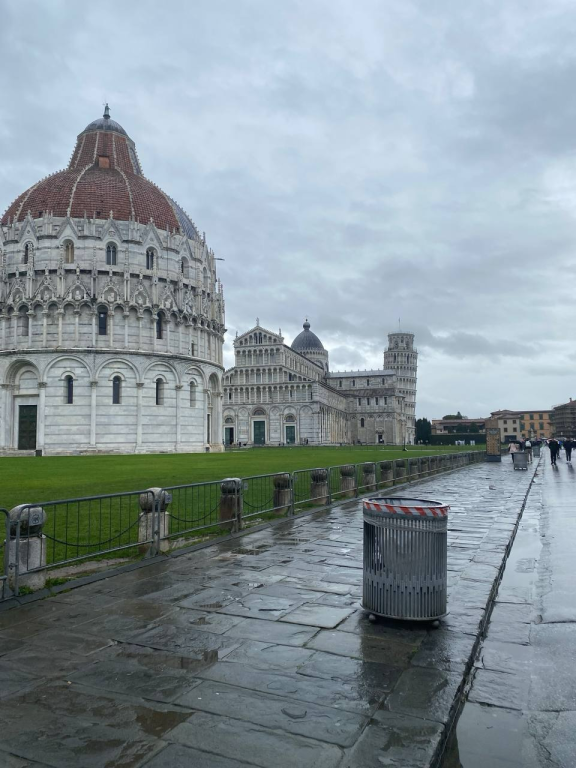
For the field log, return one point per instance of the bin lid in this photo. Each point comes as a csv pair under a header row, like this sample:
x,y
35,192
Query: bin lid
x,y
411,507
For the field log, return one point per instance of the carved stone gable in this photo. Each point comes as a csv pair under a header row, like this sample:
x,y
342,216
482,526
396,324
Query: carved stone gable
x,y
17,292
78,291
110,292
45,290
140,295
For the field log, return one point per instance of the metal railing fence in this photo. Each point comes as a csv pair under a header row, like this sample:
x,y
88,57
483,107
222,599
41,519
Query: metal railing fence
x,y
194,508
5,591
145,523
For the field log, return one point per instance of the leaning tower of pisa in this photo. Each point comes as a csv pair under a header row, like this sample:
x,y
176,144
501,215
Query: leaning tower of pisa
x,y
401,356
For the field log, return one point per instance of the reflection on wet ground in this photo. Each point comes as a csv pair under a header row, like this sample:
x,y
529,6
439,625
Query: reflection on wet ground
x,y
255,652
521,709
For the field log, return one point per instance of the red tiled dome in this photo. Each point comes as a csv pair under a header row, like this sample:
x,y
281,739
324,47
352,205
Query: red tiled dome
x,y
104,177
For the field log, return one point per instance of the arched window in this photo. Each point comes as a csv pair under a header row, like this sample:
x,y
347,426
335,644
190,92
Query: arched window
x,y
160,326
102,321
116,390
185,268
69,390
23,322
361,422
27,250
68,252
111,255
150,258
159,392
192,393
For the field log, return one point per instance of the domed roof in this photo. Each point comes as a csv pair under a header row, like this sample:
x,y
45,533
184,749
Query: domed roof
x,y
105,123
104,178
306,341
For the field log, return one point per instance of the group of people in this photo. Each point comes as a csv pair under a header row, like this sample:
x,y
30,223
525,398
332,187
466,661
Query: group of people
x,y
555,447
521,445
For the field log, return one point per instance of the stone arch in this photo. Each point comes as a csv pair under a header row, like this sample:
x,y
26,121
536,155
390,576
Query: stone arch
x,y
118,362
19,365
163,367
196,372
62,358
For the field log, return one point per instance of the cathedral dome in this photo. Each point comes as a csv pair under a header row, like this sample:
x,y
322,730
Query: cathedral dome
x,y
103,179
307,341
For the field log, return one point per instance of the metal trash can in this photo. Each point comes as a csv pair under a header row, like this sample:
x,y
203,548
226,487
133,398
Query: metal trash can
x,y
405,558
536,451
520,460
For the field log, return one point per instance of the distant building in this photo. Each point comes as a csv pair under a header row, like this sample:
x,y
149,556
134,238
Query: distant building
x,y
276,394
563,419
518,425
454,426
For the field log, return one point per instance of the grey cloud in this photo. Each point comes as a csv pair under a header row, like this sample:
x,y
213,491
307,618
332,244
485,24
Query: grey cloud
x,y
354,163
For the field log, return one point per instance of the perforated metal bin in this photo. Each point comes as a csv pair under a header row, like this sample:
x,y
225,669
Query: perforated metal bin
x,y
405,558
520,460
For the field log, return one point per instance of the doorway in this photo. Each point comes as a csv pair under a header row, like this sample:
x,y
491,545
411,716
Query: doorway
x,y
259,429
229,435
27,421
290,434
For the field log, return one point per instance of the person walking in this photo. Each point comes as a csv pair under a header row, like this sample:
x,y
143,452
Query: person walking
x,y
554,446
568,445
528,449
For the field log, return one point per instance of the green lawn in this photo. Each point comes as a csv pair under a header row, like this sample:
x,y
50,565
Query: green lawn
x,y
63,477
85,528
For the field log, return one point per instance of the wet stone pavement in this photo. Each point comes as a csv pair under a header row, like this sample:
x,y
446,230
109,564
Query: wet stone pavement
x,y
255,652
521,709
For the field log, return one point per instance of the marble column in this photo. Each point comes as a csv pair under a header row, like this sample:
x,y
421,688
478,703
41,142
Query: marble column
x,y
93,385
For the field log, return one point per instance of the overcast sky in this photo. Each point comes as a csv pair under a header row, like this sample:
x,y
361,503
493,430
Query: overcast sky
x,y
355,162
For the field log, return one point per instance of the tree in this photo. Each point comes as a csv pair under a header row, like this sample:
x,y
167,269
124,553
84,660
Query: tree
x,y
454,416
423,430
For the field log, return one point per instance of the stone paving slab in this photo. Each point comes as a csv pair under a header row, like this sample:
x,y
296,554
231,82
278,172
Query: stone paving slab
x,y
255,651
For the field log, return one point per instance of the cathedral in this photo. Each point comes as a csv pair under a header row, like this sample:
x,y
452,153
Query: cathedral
x,y
111,314
286,395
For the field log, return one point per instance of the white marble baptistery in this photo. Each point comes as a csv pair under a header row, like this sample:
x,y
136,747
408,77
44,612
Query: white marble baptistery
x,y
111,314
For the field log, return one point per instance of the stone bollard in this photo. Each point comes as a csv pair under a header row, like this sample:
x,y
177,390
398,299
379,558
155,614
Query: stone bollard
x,y
425,466
319,486
387,473
369,476
348,481
27,551
282,499
412,470
400,470
230,512
146,523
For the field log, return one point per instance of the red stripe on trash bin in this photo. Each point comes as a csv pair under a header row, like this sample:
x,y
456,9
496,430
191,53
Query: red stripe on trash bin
x,y
410,511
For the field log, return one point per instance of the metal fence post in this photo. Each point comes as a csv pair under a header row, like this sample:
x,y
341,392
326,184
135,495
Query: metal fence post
x,y
155,546
237,527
